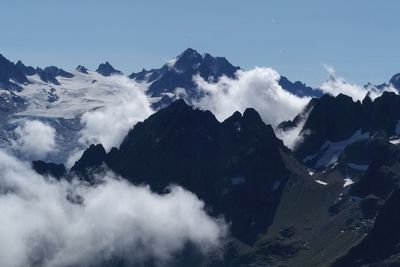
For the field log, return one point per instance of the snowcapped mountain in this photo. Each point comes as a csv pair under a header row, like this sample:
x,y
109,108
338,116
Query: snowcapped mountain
x,y
51,88
60,98
326,201
106,69
178,74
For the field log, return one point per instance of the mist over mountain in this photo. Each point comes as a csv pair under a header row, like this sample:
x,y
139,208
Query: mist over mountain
x,y
196,163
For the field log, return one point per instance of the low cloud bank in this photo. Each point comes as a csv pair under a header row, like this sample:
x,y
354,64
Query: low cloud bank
x,y
256,88
57,223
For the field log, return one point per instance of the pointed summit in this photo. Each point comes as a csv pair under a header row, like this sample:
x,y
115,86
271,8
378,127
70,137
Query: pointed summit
x,y
191,148
82,69
10,75
188,59
27,70
106,69
367,99
50,74
179,72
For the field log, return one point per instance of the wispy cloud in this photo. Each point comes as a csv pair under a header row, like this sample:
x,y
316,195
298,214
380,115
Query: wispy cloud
x,y
335,85
110,124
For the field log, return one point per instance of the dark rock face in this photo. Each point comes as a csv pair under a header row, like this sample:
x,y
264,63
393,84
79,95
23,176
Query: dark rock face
x,y
298,88
235,166
382,171
379,180
290,124
338,118
180,72
381,242
92,158
241,170
50,74
106,69
26,70
332,118
10,75
82,69
45,168
368,151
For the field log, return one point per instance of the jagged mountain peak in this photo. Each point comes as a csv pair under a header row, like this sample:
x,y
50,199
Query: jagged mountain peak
x,y
367,99
216,160
27,70
190,59
252,116
82,69
335,122
179,72
11,77
50,74
94,156
106,69
299,88
190,54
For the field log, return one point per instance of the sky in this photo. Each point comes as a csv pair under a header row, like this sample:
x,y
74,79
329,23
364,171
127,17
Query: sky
x,y
358,38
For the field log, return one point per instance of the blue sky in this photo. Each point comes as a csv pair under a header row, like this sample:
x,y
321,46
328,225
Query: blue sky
x,y
360,39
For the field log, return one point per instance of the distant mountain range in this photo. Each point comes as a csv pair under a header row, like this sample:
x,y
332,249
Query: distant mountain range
x,y
176,73
60,97
330,200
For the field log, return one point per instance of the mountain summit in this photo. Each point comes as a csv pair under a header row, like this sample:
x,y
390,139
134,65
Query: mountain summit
x,y
179,72
106,69
236,166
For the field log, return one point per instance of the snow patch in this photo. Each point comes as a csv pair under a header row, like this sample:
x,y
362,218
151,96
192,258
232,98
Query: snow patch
x,y
330,151
171,62
169,95
347,182
395,141
321,182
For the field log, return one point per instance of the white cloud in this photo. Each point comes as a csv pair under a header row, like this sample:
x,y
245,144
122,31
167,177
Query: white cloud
x,y
335,85
34,139
293,137
257,88
73,157
114,219
110,124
